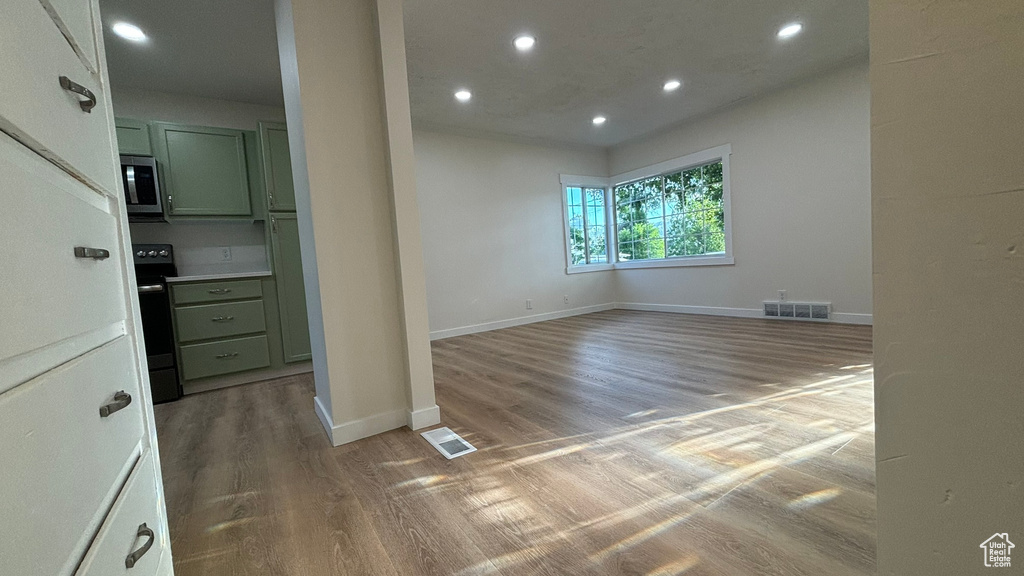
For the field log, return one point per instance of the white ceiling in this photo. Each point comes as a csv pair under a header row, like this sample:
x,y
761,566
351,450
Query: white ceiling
x,y
607,57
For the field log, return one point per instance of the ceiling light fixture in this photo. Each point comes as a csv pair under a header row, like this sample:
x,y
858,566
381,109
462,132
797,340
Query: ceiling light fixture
x,y
790,30
128,31
524,43
463,95
672,85
598,120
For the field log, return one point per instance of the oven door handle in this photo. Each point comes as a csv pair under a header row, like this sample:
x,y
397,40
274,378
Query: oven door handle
x,y
151,289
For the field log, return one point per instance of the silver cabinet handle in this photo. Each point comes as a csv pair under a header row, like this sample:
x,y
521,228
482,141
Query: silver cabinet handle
x,y
94,253
88,104
121,401
170,203
146,532
273,224
222,318
270,196
151,289
219,291
228,355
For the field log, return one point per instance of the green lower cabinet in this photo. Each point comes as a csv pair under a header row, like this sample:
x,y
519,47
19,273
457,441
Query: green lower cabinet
x,y
291,290
219,320
224,357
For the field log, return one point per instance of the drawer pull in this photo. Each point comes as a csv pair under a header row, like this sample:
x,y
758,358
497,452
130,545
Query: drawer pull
x,y
222,319
134,557
151,289
121,401
228,355
87,105
94,253
219,291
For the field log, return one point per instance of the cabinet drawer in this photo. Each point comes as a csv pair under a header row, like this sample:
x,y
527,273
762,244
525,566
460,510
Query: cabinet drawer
x,y
137,504
35,109
210,321
216,291
63,461
55,213
224,357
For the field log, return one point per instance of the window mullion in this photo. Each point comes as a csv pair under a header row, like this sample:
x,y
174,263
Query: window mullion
x,y
586,232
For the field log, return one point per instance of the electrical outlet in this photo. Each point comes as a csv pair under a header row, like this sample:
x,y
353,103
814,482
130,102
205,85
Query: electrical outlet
x,y
225,254
782,295
566,299
529,304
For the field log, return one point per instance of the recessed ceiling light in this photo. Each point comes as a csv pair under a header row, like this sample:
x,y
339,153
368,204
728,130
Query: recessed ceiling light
x,y
524,43
672,85
790,30
128,31
598,120
463,95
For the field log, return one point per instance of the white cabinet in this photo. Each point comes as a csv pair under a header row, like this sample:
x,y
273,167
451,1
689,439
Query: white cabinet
x,y
79,472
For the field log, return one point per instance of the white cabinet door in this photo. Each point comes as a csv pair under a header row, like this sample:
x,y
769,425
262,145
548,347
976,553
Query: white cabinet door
x,y
63,460
75,20
38,111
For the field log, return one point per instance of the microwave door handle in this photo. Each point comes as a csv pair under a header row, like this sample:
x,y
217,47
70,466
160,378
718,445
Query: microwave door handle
x,y
133,193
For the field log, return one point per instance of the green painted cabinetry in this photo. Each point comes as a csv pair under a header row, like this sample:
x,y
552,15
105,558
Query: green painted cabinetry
x,y
204,171
277,167
291,291
133,137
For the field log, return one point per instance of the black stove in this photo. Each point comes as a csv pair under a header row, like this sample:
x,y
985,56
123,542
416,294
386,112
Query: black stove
x,y
154,263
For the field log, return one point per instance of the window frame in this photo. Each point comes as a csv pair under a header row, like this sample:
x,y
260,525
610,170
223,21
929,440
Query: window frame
x,y
662,169
718,153
570,181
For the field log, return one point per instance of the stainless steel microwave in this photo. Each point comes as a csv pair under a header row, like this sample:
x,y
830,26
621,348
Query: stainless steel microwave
x,y
141,188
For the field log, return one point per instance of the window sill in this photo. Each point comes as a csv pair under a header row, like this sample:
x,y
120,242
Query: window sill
x,y
677,262
583,268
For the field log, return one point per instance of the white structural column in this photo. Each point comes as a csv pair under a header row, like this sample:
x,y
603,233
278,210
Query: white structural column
x,y
947,138
351,141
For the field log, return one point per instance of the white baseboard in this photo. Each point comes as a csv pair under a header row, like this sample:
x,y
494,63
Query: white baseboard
x,y
358,429
488,326
425,417
683,309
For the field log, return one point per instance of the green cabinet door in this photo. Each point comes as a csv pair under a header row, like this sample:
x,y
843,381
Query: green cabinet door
x,y
133,137
204,170
291,291
277,167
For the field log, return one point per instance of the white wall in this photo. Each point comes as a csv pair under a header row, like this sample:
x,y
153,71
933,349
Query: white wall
x,y
491,217
801,214
948,203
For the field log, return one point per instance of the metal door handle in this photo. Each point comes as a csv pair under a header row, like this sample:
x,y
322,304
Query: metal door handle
x,y
223,318
133,193
219,291
94,253
134,557
121,401
228,355
87,105
151,289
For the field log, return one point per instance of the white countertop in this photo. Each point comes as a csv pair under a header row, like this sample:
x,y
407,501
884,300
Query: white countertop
x,y
201,276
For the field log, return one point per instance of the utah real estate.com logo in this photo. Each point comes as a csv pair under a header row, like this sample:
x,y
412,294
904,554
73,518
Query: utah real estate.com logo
x,y
997,550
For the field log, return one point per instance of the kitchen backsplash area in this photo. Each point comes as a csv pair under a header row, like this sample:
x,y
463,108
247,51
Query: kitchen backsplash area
x,y
203,248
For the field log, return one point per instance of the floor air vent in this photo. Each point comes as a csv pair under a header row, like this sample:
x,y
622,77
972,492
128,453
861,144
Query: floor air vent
x,y
798,310
448,443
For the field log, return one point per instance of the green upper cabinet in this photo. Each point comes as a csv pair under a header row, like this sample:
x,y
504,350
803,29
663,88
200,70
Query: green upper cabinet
x,y
204,170
291,291
133,137
277,167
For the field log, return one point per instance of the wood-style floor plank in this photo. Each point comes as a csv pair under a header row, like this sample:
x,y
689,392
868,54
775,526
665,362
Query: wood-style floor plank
x,y
611,443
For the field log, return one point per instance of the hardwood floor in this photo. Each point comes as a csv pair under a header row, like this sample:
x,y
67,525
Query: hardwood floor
x,y
612,443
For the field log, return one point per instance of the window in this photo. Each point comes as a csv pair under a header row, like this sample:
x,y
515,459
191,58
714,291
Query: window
x,y
586,213
675,213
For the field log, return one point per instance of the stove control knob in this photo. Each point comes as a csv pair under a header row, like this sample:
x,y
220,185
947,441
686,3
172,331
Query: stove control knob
x,y
141,253
151,254
164,253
